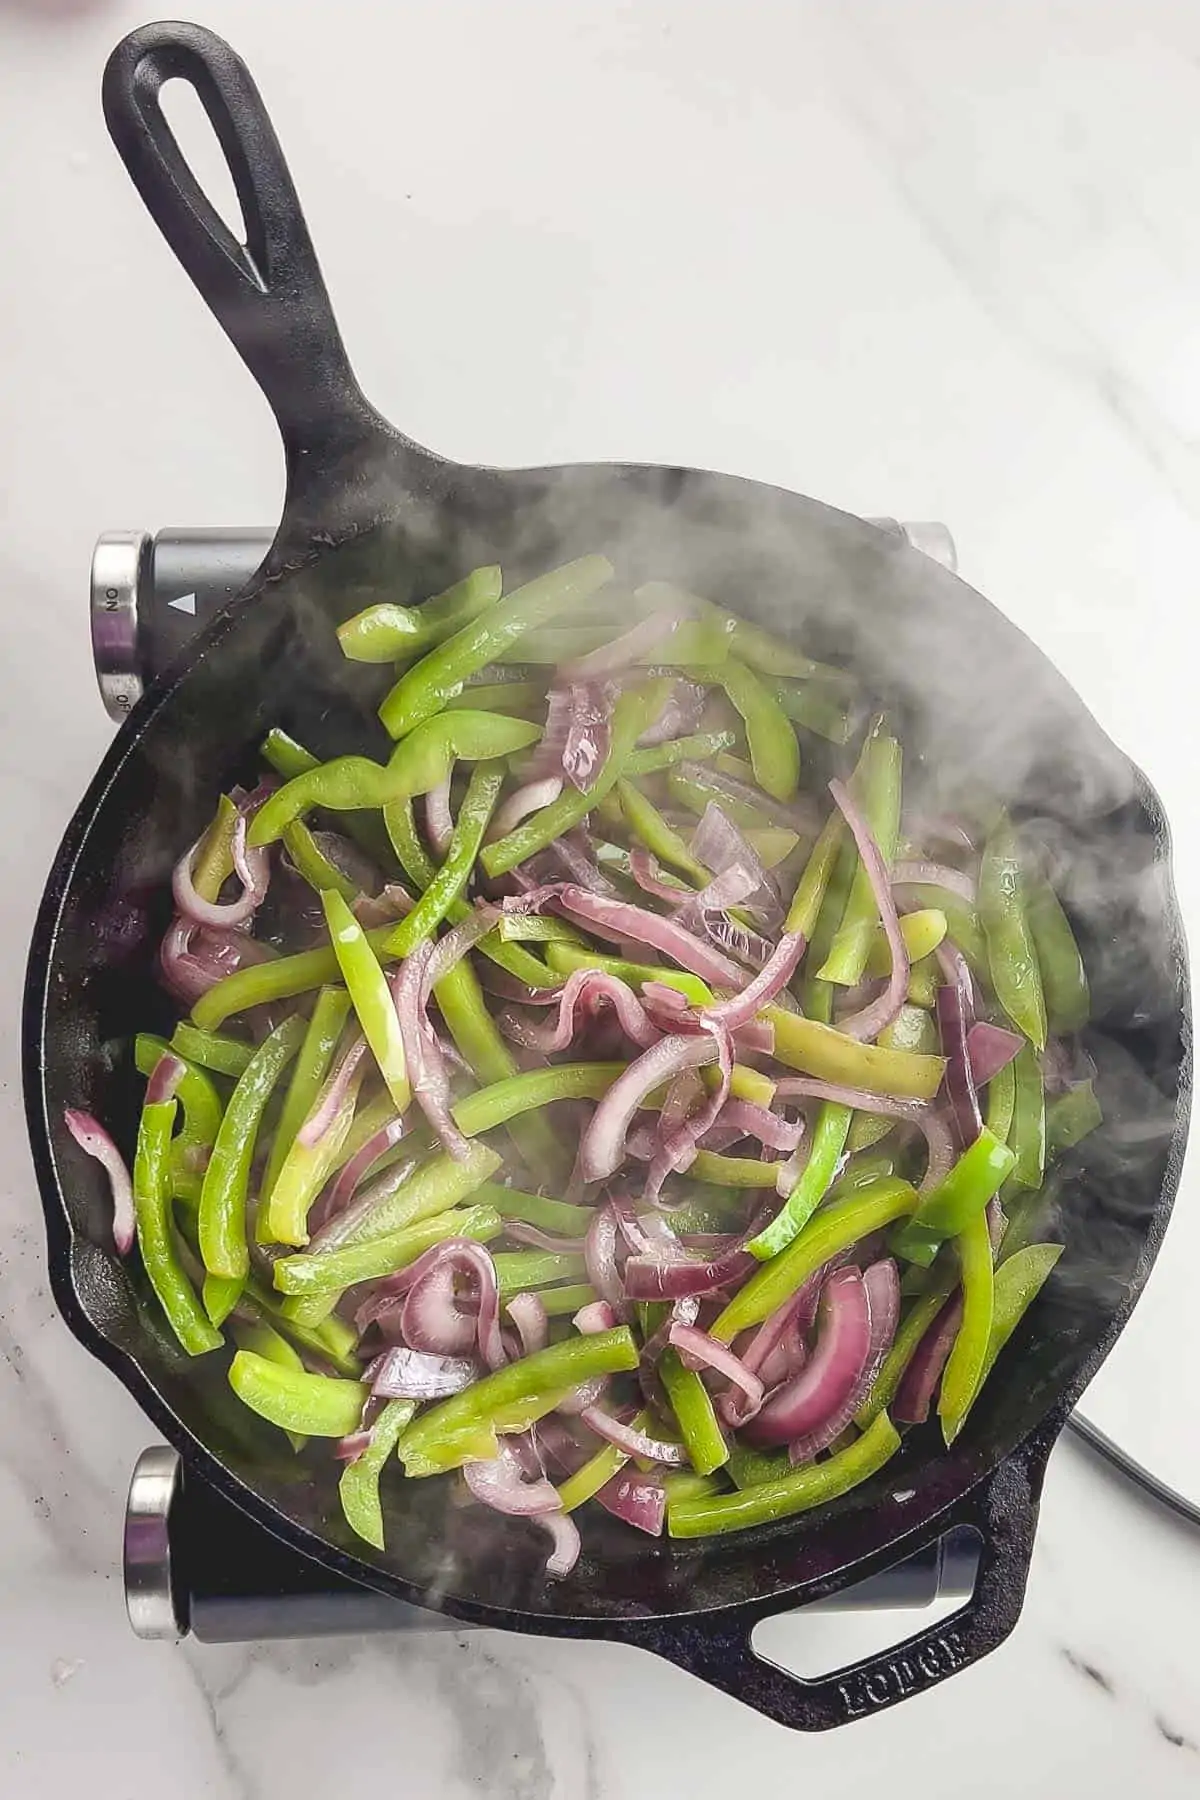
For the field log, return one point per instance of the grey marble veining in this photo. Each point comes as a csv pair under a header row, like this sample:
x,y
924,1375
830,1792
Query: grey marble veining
x,y
921,258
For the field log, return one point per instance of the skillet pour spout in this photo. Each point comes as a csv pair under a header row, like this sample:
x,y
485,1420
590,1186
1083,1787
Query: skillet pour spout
x,y
369,514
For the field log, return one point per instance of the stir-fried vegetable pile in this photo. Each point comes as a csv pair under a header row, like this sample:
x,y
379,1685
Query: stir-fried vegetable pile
x,y
573,1102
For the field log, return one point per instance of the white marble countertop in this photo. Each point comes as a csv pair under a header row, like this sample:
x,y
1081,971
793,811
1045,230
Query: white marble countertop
x,y
910,256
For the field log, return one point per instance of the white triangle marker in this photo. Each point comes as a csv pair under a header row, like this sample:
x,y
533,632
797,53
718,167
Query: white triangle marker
x,y
185,603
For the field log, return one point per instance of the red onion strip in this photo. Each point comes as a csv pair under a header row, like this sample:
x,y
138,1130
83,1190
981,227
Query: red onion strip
x,y
404,1374
882,1284
770,981
866,1025
439,820
832,1372
94,1141
621,920
332,1095
990,1048
603,1145
633,1442
698,1350
528,799
931,874
621,652
528,1314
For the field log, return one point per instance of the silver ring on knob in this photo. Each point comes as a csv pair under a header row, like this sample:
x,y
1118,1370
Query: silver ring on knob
x,y
118,564
149,1594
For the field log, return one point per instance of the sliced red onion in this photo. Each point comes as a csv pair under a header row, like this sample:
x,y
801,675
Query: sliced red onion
x,y
528,1314
380,909
800,816
501,1485
699,1350
770,981
631,1441
586,990
521,1233
720,845
404,1374
597,1315
432,1318
749,1120
360,1166
651,1277
427,1072
636,1500
600,1255
603,1146
254,874
683,1096
621,920
449,950
919,1382
573,853
955,1016
571,1405
165,1077
882,1284
332,1095
194,958
734,939
990,1048
645,871
348,1449
866,1025
567,1543
439,820
528,799
931,874
589,731
677,1150
679,717
831,1373
94,1141
789,1171
622,652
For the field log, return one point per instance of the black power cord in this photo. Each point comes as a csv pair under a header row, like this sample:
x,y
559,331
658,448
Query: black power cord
x,y
1132,1471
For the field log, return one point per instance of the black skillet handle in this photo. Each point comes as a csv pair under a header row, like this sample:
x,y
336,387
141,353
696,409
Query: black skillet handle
x,y
268,294
1002,1510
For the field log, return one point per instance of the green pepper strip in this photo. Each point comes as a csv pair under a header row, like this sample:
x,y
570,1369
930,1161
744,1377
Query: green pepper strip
x,y
798,1491
263,983
816,706
592,1475
828,1143
428,1191
479,802
222,1219
424,690
924,979
632,714
732,1171
564,959
748,1468
311,863
922,933
810,891
283,1216
289,759
911,1029
359,1484
694,1414
534,1383
489,1058
199,1098
317,1405
868,1129
957,1200
417,865
761,649
877,787
521,1271
152,1205
834,1229
660,838
1071,1117
688,783
682,1484
214,858
561,1301
695,646
962,921
340,1269
860,1172
533,1088
263,1340
1001,1098
386,632
696,748
1064,979
774,751
831,1056
372,998
1027,1134
817,996
208,1050
964,1366
418,764
537,928
334,1341
1018,1282
311,1066
219,1295
501,696
1012,958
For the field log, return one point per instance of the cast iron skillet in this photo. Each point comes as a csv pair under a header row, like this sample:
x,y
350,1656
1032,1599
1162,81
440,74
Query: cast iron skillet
x,y
368,511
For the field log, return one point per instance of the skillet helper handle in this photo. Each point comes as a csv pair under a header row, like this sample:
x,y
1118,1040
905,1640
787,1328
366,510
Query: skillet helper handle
x,y
1002,1510
268,293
